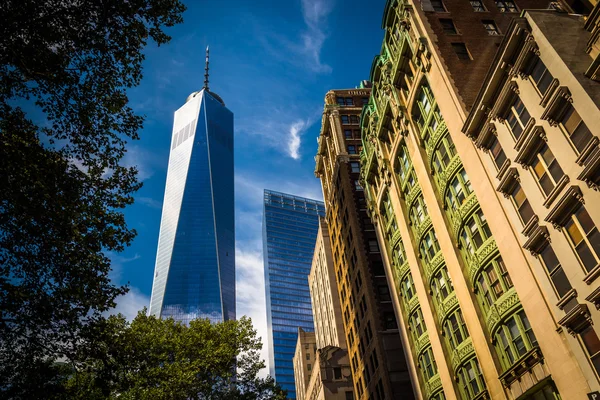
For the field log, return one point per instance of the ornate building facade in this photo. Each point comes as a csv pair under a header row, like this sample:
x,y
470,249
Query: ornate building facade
x,y
475,308
377,358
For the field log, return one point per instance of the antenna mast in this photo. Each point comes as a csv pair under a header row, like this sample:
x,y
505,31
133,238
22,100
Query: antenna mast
x,y
206,71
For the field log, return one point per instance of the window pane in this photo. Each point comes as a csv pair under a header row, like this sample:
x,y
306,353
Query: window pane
x,y
590,340
574,232
586,256
584,219
561,282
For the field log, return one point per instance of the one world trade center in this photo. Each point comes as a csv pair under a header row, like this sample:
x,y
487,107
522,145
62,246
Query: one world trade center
x,y
194,276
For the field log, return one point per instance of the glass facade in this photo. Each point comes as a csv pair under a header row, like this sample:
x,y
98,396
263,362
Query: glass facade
x,y
194,275
290,226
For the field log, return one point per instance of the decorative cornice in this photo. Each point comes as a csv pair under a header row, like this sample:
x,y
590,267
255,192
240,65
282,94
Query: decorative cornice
x,y
506,305
577,319
561,211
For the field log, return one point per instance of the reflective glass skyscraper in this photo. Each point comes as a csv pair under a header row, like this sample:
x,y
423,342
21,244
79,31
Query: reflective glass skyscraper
x,y
290,226
194,275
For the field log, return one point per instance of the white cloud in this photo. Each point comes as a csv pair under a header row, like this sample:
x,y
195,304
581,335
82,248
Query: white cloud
x,y
294,140
145,161
150,202
303,51
250,291
131,303
315,12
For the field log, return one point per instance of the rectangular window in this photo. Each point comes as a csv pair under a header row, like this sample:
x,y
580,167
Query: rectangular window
x,y
365,101
585,238
351,149
557,275
541,76
348,101
340,101
348,133
438,5
461,51
497,153
579,134
354,119
355,167
477,5
523,207
546,170
448,28
518,117
373,246
490,27
507,6
345,119
592,344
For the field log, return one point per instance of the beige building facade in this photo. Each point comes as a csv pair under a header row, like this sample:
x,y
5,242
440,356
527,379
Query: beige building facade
x,y
478,311
304,361
327,311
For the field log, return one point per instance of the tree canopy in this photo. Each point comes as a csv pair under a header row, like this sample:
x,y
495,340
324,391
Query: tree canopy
x,y
65,68
152,358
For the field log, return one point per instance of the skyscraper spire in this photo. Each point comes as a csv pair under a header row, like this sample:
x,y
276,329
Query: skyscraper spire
x,y
206,71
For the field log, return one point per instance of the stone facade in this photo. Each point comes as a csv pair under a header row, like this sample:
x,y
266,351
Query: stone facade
x,y
327,311
304,361
375,350
473,309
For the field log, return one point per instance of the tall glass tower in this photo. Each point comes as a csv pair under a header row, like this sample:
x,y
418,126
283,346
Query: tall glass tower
x,y
290,226
194,276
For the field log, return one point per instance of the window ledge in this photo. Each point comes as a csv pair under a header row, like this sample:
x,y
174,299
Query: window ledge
x,y
571,294
594,298
592,275
577,319
563,208
529,143
508,181
549,92
525,134
556,191
503,169
522,366
557,105
538,238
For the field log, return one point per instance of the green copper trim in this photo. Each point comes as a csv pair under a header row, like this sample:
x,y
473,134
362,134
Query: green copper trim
x,y
506,305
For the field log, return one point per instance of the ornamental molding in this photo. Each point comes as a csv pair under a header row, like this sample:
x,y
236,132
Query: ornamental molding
x,y
568,203
462,353
504,306
577,319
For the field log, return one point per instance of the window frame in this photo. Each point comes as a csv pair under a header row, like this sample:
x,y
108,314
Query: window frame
x,y
515,115
506,341
540,160
504,7
486,293
554,271
441,292
524,204
467,235
580,125
545,73
466,55
487,23
575,221
452,195
425,252
448,26
483,8
427,364
467,386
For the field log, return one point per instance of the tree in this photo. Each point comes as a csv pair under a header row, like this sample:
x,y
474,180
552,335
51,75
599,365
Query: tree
x,y
65,67
152,358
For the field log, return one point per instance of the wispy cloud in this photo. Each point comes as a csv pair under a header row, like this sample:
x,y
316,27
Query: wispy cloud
x,y
303,51
144,160
315,13
150,202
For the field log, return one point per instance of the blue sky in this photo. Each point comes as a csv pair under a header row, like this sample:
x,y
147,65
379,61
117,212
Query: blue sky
x,y
272,63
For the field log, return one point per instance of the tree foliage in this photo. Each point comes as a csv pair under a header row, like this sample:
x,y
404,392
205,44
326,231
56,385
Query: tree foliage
x,y
65,67
152,358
